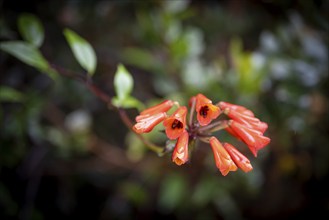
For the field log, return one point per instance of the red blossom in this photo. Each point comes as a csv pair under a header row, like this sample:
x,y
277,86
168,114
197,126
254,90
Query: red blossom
x,y
180,154
243,125
253,138
206,111
146,123
224,162
175,124
233,133
247,120
238,108
152,116
162,107
239,159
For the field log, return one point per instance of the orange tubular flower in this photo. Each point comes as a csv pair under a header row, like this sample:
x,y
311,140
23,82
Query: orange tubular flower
x,y
246,120
146,123
238,108
180,154
206,111
175,124
253,138
152,116
239,159
162,107
224,162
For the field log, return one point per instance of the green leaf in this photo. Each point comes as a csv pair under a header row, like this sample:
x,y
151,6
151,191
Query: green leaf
x,y
123,83
82,50
9,94
30,55
25,52
31,29
128,102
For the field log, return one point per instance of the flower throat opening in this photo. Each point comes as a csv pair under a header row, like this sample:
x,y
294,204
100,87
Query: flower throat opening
x,y
204,111
177,124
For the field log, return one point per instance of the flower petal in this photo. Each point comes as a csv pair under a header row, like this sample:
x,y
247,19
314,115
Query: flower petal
x,y
176,123
180,154
239,159
253,138
224,162
206,111
247,120
239,108
162,107
147,123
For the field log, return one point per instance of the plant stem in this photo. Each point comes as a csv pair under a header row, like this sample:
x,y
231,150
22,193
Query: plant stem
x,y
108,100
218,125
123,115
192,112
87,81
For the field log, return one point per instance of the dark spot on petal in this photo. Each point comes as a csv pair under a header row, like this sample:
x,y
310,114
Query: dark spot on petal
x,y
204,111
177,124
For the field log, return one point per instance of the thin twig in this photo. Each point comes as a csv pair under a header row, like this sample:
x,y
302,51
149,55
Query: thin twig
x,y
218,125
87,81
192,112
123,115
108,100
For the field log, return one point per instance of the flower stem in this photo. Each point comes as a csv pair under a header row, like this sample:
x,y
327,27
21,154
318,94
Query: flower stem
x,y
216,126
106,99
123,115
190,122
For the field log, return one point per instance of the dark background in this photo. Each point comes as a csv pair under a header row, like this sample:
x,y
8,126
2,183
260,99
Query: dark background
x,y
49,170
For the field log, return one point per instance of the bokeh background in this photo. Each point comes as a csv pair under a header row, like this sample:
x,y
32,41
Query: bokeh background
x,y
65,155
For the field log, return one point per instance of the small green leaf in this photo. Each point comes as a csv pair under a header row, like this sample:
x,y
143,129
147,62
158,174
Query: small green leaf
x,y
25,52
9,94
123,83
30,55
31,29
82,50
129,102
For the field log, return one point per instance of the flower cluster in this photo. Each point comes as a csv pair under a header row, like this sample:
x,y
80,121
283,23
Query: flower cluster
x,y
240,123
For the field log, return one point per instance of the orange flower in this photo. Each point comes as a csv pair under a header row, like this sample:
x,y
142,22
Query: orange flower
x,y
239,159
253,138
206,111
145,123
162,107
233,133
247,120
180,154
224,162
175,124
152,116
238,108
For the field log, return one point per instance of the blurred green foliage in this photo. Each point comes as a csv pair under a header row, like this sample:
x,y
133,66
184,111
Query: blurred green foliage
x,y
64,154
31,29
82,51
